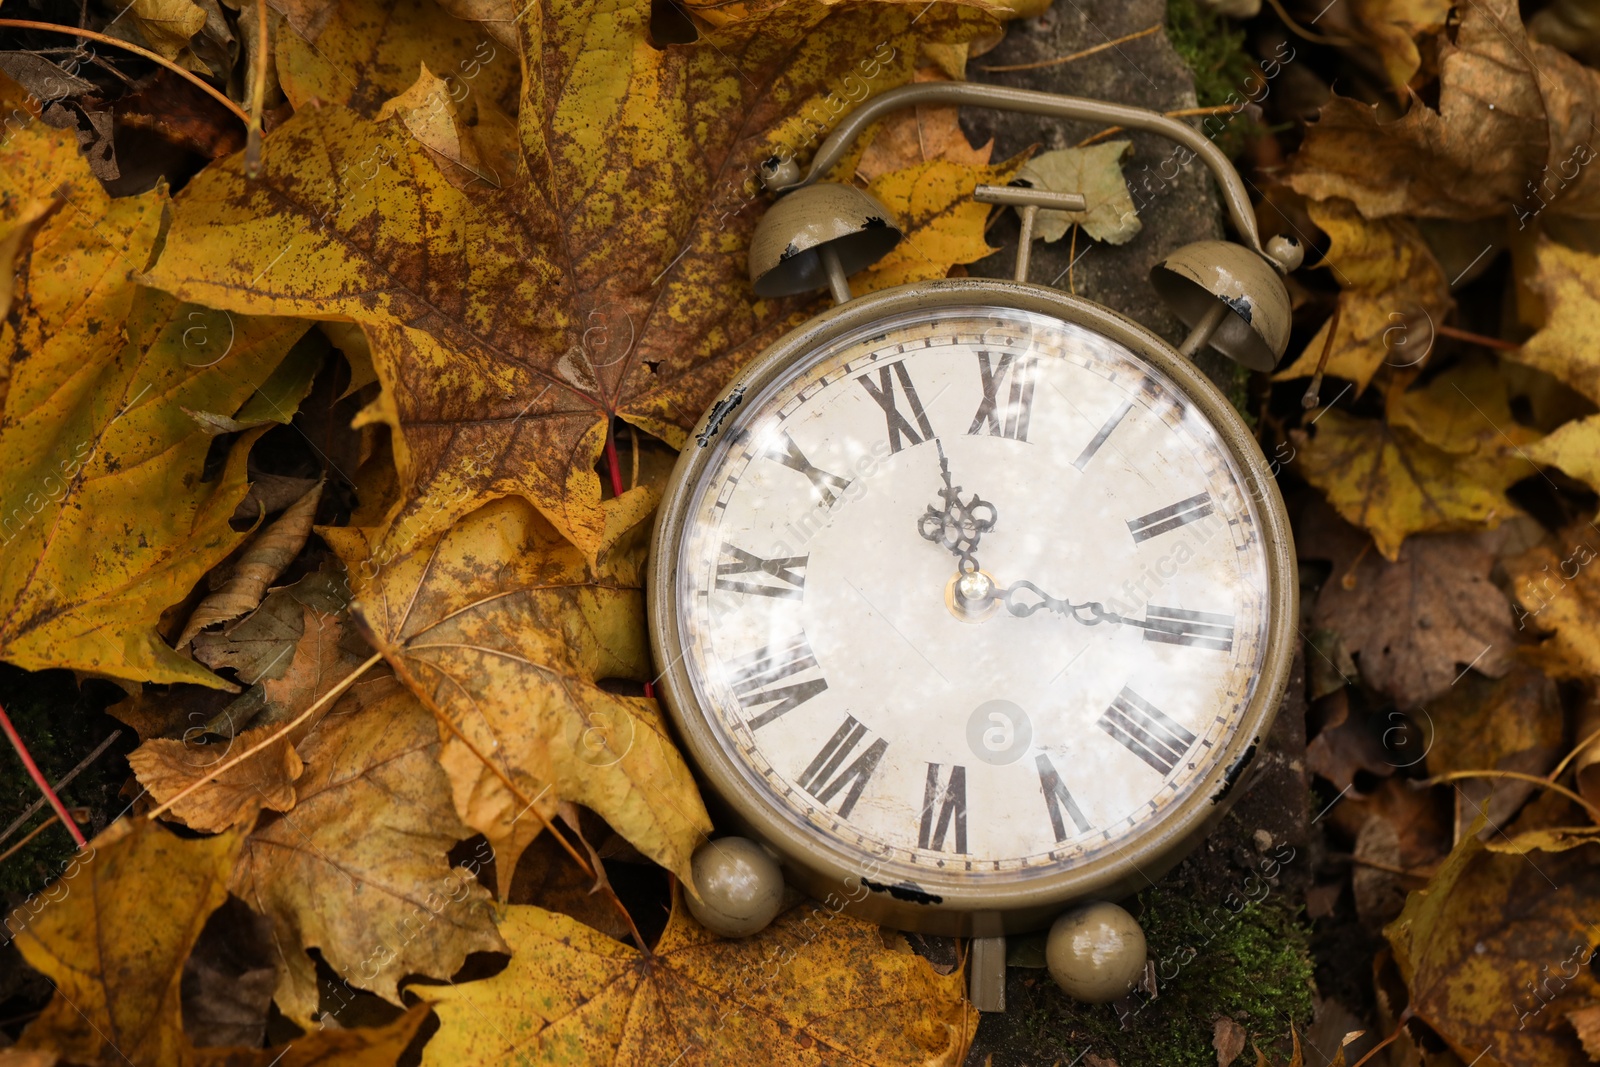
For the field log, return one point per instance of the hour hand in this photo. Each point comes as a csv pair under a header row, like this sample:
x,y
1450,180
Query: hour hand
x,y
956,524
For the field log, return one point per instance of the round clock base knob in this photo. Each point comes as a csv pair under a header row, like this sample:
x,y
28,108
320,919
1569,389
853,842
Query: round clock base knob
x,y
740,886
1096,953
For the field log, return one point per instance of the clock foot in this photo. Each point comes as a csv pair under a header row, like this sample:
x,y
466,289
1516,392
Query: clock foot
x,y
1096,952
986,973
738,887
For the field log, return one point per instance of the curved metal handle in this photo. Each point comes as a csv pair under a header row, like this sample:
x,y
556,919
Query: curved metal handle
x,y
1029,101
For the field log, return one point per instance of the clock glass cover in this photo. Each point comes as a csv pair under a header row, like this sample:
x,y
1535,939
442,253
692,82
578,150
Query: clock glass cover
x,y
975,591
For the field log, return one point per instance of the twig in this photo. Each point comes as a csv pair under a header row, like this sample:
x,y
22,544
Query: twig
x,y
61,783
1570,756
333,694
1147,31
39,779
258,93
1517,776
1477,338
1405,1017
1314,390
50,27
1319,38
1181,113
35,832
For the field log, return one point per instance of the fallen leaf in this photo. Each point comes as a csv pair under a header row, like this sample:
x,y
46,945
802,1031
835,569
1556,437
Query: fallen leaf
x,y
1345,747
113,934
1573,447
1395,827
1384,476
1512,724
1393,296
1415,623
920,134
1228,1038
1512,120
234,798
1568,344
815,987
358,870
272,641
1545,839
628,216
105,517
1556,588
944,225
228,979
165,25
1392,27
1096,172
1586,1024
1491,943
264,558
503,631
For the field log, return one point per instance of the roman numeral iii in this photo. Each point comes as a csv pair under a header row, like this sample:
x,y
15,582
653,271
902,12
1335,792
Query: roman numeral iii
x,y
1011,418
1057,799
1146,731
755,677
1170,518
785,451
884,394
788,570
819,778
1197,629
951,801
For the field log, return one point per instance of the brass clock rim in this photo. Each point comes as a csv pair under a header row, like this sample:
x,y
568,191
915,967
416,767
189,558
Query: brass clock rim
x,y
820,866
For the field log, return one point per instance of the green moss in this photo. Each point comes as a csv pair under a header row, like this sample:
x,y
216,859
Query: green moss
x,y
1237,391
1252,966
1212,48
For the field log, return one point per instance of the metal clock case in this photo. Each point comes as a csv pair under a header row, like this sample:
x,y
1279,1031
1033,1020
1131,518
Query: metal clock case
x,y
1032,340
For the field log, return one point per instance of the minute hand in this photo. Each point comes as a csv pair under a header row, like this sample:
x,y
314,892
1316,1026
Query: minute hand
x,y
1089,613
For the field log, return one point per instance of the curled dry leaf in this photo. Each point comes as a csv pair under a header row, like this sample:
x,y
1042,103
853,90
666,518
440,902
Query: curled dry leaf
x,y
504,632
1228,1038
106,518
1492,942
358,870
165,25
272,550
1441,460
815,987
1393,296
1468,159
1096,172
627,216
234,798
113,934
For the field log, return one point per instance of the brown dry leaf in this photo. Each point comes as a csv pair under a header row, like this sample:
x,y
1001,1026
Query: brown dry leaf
x,y
1414,624
920,134
266,557
503,630
358,870
1228,1038
1393,294
814,988
1508,108
1568,344
1398,827
628,213
1493,948
235,797
1512,724
1556,586
114,942
1345,747
165,25
1109,213
1586,1024
1413,472
359,53
106,519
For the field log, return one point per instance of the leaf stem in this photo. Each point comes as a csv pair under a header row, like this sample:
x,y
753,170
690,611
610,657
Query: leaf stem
x,y
1570,756
613,465
51,27
1517,776
39,779
333,694
1477,338
258,92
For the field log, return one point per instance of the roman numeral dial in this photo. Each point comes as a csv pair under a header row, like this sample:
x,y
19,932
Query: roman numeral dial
x,y
944,806
827,486
827,776
739,571
899,422
1196,629
760,678
1167,519
1146,731
1009,418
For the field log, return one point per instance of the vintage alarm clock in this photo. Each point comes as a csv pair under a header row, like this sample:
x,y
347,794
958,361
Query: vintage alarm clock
x,y
974,599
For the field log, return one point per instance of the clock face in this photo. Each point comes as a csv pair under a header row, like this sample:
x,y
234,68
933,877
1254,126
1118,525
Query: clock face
x,y
975,591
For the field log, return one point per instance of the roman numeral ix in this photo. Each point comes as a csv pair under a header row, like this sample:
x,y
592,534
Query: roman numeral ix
x,y
785,451
1011,419
1146,731
1170,518
755,678
788,570
819,778
953,794
884,394
1057,798
1197,629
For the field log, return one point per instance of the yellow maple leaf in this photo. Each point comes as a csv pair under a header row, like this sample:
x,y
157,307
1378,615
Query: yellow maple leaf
x,y
1573,447
1393,295
1439,461
1568,345
113,933
815,987
627,213
104,519
1556,586
933,203
504,631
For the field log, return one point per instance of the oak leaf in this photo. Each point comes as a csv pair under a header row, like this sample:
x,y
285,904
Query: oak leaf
x,y
1407,473
1511,112
504,632
1393,294
113,936
816,987
358,869
105,517
627,214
